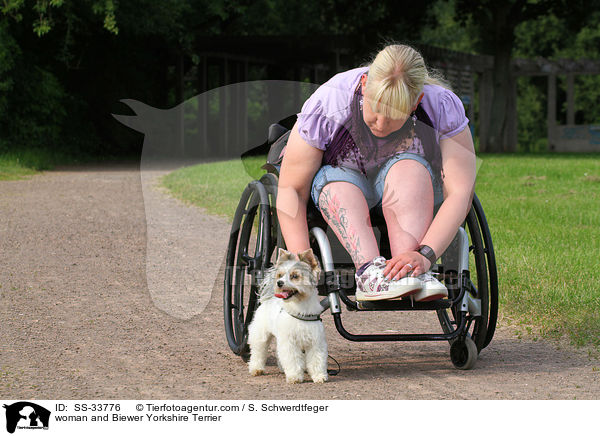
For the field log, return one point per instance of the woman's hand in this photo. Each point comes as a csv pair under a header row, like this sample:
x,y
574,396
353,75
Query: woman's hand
x,y
399,266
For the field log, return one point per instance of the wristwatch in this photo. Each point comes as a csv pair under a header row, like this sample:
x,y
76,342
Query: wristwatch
x,y
427,252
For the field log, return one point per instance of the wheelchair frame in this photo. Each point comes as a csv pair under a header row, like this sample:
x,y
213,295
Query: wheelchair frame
x,y
467,317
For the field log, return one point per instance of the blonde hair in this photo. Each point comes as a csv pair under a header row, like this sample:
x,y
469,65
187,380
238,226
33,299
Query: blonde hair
x,y
396,79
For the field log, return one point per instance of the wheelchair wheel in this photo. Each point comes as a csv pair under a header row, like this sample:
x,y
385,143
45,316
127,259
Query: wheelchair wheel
x,y
463,353
248,255
270,182
492,270
482,283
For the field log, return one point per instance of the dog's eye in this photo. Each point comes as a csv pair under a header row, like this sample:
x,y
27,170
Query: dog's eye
x,y
294,276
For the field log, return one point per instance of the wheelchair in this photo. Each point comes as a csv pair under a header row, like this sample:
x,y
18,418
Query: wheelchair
x,y
467,317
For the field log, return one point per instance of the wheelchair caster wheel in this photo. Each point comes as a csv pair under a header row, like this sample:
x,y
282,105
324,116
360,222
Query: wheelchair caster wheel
x,y
463,353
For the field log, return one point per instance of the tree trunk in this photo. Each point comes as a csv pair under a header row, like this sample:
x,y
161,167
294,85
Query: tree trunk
x,y
501,129
179,91
502,118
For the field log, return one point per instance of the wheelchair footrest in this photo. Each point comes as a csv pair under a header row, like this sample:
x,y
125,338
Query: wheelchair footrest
x,y
450,335
404,304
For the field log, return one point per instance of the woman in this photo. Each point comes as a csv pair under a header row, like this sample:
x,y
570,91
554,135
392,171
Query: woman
x,y
387,134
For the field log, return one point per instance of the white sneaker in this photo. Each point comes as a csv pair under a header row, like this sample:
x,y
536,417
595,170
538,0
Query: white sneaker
x,y
432,289
372,285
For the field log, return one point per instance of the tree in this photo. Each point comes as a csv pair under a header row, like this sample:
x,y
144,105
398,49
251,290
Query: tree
x,y
495,22
64,65
45,10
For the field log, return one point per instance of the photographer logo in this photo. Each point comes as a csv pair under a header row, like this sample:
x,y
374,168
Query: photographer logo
x,y
26,415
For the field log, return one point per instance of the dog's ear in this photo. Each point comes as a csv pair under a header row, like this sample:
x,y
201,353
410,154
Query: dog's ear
x,y
309,257
284,255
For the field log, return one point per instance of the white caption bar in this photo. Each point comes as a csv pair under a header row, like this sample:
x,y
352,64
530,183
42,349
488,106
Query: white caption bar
x,y
289,417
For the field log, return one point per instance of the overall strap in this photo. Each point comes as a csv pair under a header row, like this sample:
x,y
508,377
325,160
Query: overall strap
x,y
425,130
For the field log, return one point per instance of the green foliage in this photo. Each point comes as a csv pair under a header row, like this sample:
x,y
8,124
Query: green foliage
x,y
20,163
107,8
552,34
540,37
12,8
586,45
85,55
46,10
35,73
37,111
12,168
9,50
445,29
531,107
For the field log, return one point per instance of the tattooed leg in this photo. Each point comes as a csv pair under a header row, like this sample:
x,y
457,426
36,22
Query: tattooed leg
x,y
345,209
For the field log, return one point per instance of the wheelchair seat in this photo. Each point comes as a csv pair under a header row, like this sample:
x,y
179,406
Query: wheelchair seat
x,y
277,138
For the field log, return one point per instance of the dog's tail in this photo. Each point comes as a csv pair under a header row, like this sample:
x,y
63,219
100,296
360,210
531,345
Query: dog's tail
x,y
266,290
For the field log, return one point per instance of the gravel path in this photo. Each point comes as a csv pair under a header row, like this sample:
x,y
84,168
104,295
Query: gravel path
x,y
109,289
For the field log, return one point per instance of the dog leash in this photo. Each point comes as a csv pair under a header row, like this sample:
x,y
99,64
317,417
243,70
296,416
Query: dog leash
x,y
334,371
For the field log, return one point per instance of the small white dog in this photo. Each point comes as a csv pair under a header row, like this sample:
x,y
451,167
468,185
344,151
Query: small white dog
x,y
289,310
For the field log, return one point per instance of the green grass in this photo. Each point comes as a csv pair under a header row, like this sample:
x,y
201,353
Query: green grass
x,y
15,165
217,186
20,163
543,214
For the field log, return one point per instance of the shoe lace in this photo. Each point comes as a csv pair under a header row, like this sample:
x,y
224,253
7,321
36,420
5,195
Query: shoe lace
x,y
379,262
428,276
376,280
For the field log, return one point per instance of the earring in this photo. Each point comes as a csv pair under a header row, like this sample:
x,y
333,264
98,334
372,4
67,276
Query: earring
x,y
414,119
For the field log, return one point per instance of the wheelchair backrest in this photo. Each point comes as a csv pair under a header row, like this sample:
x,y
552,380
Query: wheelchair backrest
x,y
278,137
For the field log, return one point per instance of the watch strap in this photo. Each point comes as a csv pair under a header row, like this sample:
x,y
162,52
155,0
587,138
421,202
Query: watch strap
x,y
427,252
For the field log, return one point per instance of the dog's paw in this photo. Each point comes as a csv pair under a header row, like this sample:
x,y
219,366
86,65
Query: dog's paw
x,y
256,371
320,378
293,379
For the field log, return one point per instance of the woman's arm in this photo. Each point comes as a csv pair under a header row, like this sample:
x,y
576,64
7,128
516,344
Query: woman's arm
x,y
459,166
300,163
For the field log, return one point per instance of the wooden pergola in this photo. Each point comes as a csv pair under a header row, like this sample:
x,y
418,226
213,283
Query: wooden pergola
x,y
233,60
569,137
461,69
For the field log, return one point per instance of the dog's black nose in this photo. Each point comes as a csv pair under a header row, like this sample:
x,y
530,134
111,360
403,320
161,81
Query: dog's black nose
x,y
280,283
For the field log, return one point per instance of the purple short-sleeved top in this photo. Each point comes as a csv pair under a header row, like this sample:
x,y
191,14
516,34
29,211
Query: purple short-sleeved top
x,y
329,109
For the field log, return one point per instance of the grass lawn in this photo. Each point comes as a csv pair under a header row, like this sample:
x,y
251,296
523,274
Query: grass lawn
x,y
21,163
15,166
543,212
217,186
